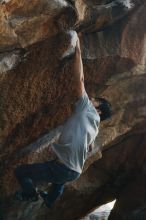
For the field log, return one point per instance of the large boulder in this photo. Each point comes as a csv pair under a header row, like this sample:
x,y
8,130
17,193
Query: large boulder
x,y
36,97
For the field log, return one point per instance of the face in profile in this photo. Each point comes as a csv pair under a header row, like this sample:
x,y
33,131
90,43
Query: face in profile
x,y
96,104
103,107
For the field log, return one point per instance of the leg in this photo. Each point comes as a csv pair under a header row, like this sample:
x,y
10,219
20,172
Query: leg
x,y
29,173
52,172
51,197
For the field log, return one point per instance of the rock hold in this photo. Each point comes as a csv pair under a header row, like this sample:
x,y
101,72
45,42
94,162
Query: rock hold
x,y
72,45
9,60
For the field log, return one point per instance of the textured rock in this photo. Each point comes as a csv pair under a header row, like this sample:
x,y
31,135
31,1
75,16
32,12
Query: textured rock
x,y
36,96
25,23
97,15
131,202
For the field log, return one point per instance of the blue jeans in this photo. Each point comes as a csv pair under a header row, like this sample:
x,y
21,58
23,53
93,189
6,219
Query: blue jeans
x,y
54,172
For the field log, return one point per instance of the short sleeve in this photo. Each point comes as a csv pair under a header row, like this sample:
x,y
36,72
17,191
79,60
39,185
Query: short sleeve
x,y
82,103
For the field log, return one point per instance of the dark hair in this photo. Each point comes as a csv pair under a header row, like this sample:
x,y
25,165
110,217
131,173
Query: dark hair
x,y
105,108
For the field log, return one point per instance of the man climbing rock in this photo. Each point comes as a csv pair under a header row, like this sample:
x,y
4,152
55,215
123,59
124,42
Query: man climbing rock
x,y
75,141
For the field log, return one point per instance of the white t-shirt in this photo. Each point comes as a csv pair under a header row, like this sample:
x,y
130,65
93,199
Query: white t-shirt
x,y
79,131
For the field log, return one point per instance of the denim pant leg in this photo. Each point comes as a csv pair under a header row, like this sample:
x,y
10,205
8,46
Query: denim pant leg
x,y
51,171
33,173
61,174
56,191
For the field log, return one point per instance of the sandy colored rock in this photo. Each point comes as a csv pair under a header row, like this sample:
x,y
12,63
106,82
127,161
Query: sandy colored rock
x,y
36,96
26,23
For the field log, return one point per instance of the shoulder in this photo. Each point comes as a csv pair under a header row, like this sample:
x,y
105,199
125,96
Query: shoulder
x,y
82,102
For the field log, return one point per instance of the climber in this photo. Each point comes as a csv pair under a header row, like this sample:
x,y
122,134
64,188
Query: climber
x,y
75,141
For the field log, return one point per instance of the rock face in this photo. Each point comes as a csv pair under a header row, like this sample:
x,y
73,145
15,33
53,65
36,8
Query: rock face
x,y
36,96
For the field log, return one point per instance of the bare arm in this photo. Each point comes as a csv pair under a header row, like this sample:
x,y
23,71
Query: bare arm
x,y
78,74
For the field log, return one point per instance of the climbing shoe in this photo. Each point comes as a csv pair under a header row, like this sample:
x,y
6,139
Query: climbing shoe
x,y
44,195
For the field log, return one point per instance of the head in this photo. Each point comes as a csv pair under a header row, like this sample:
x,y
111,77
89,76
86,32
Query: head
x,y
103,107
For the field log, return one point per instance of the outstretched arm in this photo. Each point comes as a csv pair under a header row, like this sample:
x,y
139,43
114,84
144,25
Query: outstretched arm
x,y
78,74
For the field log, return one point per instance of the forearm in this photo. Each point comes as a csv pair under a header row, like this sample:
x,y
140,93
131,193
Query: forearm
x,y
77,73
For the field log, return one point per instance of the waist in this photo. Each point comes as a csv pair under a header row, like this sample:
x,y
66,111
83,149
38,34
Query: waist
x,y
59,161
55,157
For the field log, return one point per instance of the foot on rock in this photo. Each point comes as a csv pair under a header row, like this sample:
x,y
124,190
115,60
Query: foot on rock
x,y
45,197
